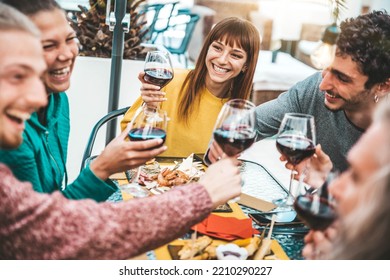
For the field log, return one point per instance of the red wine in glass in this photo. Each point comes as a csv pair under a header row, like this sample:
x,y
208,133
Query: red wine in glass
x,y
158,76
295,148
142,134
158,68
295,141
243,139
234,130
317,212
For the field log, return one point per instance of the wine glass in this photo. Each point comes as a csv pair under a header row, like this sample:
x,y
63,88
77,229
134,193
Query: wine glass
x,y
158,68
148,123
296,140
234,129
317,209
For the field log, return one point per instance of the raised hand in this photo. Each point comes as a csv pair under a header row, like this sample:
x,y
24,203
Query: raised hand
x,y
222,180
314,169
120,155
151,94
318,244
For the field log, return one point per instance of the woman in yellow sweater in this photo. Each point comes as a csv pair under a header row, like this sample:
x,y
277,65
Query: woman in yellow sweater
x,y
193,99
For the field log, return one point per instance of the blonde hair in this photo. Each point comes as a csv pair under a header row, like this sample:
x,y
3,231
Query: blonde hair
x,y
365,231
12,19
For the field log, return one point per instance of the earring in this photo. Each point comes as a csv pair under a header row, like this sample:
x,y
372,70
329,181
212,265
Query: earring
x,y
376,98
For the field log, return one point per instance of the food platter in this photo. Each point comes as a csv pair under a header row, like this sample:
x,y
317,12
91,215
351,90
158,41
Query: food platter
x,y
162,174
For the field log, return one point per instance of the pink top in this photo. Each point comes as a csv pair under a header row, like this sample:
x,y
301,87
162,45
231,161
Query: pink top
x,y
42,226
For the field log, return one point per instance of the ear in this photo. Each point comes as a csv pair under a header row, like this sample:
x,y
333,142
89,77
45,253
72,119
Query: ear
x,y
383,88
244,68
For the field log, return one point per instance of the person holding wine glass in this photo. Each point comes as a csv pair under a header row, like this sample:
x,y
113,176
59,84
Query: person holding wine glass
x,y
147,124
296,141
362,194
41,159
48,226
158,68
193,99
343,96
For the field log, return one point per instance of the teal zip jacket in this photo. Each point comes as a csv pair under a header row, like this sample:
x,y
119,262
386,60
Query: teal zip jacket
x,y
41,159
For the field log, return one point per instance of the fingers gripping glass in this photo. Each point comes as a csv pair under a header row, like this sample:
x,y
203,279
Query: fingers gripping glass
x,y
147,124
234,130
317,209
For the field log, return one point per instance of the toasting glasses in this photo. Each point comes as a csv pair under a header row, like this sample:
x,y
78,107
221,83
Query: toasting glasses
x,y
234,130
296,140
148,123
158,68
317,209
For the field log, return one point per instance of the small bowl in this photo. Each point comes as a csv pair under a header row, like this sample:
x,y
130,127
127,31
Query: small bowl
x,y
231,252
135,191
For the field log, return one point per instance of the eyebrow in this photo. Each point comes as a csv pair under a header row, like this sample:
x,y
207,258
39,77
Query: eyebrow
x,y
341,74
234,50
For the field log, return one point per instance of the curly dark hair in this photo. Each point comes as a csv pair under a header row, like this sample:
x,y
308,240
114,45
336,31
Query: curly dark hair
x,y
366,39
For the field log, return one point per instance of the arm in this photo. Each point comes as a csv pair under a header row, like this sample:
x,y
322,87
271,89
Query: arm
x,y
41,226
118,156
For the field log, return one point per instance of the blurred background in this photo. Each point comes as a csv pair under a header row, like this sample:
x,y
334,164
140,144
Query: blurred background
x,y
291,30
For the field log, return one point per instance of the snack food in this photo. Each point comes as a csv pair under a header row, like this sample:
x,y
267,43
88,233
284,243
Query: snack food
x,y
194,248
168,177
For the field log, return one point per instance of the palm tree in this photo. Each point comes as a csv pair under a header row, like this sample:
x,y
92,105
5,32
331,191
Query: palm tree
x,y
96,38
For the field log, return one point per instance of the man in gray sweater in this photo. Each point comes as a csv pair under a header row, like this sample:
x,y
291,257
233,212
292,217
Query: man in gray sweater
x,y
342,97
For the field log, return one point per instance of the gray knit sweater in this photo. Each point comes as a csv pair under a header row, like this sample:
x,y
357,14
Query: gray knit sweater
x,y
335,132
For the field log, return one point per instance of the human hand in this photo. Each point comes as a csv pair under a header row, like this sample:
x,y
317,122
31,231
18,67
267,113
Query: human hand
x,y
318,244
222,181
215,153
314,169
121,155
151,94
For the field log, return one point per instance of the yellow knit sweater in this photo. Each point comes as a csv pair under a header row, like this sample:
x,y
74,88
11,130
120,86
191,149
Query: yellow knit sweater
x,y
184,139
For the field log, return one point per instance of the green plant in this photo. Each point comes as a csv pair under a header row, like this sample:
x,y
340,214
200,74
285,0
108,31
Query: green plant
x,y
337,6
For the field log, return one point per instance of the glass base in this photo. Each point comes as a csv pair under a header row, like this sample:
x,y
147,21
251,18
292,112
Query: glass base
x,y
135,190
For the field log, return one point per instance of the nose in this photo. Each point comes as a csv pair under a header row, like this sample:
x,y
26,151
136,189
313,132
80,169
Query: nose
x,y
223,57
336,188
326,83
68,51
37,97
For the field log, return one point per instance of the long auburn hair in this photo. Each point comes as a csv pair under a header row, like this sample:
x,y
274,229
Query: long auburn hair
x,y
232,30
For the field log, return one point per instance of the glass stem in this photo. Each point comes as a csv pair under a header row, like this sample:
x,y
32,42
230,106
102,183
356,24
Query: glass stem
x,y
137,175
290,197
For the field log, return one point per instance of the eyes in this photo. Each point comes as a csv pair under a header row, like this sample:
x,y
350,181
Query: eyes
x,y
219,48
52,45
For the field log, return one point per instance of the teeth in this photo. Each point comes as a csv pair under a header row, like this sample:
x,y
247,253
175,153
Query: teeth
x,y
59,72
219,69
18,115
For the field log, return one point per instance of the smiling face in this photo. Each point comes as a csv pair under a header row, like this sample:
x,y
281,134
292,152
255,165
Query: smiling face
x,y
365,159
21,88
60,48
344,86
224,63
